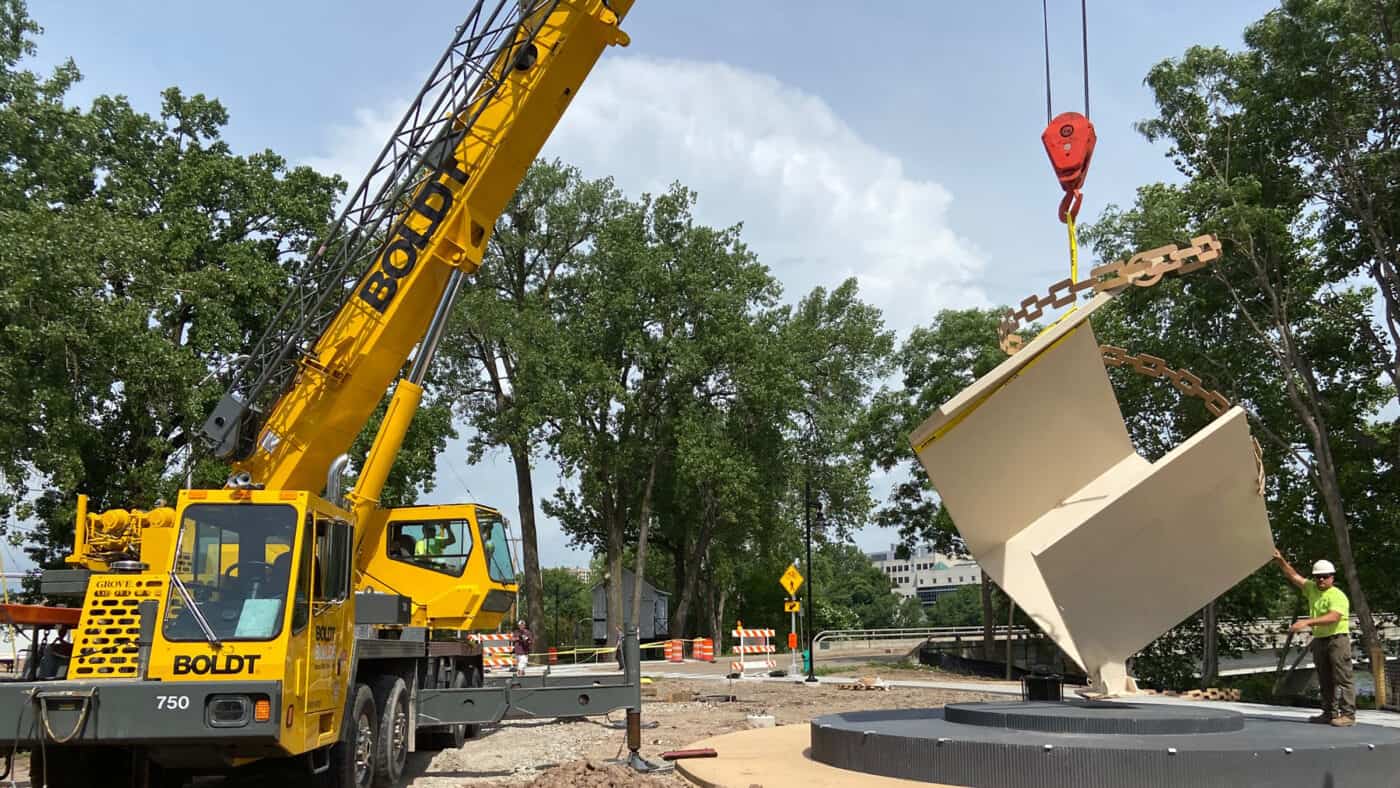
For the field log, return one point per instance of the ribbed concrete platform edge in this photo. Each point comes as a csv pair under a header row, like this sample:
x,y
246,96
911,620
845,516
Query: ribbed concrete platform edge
x,y
775,758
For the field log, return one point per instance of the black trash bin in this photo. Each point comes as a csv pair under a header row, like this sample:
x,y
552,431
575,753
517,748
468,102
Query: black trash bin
x,y
1042,686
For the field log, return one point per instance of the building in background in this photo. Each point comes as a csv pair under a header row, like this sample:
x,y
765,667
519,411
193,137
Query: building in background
x,y
926,575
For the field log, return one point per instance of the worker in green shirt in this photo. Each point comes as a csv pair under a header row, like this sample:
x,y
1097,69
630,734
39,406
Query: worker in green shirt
x,y
431,544
1329,617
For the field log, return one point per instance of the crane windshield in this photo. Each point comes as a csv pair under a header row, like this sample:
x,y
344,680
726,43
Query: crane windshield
x,y
493,537
236,561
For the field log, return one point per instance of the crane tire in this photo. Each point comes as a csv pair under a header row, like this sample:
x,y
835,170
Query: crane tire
x,y
391,741
351,760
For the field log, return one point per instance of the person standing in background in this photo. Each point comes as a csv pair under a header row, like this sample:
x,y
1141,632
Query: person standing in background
x,y
522,640
1329,617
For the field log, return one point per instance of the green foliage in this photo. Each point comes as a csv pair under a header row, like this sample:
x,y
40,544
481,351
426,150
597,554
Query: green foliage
x,y
138,251
1288,152
910,614
961,608
567,605
850,592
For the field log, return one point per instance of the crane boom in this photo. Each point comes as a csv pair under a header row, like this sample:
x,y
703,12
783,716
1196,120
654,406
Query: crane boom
x,y
419,220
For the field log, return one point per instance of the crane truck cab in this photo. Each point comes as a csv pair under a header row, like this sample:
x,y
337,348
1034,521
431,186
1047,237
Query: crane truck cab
x,y
235,627
265,620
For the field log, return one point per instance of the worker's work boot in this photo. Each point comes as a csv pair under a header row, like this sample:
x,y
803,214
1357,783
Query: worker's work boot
x,y
1343,722
1321,719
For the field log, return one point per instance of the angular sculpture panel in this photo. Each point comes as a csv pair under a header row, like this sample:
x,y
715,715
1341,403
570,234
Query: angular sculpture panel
x,y
1104,550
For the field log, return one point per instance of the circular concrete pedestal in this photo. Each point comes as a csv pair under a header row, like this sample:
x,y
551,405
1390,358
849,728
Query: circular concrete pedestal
x,y
1103,745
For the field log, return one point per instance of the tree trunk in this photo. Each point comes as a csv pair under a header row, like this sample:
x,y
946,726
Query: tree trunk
x,y
988,626
1010,622
693,563
529,542
642,528
717,625
1210,650
677,583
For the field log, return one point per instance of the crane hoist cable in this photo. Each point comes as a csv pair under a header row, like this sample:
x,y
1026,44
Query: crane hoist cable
x,y
1069,139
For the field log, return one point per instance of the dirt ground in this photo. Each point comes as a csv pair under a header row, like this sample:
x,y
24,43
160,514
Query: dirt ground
x,y
678,714
675,714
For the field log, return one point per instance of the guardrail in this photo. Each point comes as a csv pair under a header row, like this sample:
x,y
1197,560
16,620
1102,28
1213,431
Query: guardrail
x,y
873,638
1386,623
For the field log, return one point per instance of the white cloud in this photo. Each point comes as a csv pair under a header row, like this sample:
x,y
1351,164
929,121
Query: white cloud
x,y
818,203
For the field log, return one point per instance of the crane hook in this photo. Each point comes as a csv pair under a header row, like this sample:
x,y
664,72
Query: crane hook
x,y
1069,142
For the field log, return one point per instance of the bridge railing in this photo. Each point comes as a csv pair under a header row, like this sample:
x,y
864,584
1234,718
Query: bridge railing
x,y
1274,629
874,638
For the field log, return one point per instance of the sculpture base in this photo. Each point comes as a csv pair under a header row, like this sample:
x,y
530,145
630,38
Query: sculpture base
x,y
1102,745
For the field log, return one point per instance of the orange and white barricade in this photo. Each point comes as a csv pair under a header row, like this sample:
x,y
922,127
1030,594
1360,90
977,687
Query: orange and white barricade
x,y
675,651
754,651
497,650
705,649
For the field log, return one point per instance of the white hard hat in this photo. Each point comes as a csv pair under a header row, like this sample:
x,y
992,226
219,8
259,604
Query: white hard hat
x,y
1324,567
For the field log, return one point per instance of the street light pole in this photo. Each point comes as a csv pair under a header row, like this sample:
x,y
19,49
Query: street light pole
x,y
811,571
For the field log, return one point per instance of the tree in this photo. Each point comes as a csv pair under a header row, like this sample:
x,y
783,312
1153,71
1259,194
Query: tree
x,y
657,311
910,614
1277,324
1326,76
567,600
960,608
138,252
503,325
850,592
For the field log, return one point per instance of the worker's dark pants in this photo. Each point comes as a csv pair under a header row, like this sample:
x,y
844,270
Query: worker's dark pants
x,y
1332,656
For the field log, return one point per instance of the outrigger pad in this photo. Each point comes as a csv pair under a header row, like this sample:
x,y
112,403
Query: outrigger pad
x,y
1104,550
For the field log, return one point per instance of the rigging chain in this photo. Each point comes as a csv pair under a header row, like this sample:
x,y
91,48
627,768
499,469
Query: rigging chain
x,y
1144,269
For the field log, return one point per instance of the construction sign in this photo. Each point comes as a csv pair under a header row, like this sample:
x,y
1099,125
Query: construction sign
x,y
791,580
792,606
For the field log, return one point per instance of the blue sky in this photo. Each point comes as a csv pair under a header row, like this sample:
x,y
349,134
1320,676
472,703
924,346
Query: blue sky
x,y
895,141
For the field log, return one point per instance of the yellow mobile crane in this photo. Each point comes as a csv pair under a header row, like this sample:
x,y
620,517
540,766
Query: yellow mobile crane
x,y
277,618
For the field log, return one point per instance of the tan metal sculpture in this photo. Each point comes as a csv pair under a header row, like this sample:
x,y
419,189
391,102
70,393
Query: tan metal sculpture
x,y
1103,549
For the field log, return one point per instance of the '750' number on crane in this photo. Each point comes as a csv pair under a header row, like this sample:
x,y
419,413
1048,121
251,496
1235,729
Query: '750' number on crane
x,y
172,702
433,202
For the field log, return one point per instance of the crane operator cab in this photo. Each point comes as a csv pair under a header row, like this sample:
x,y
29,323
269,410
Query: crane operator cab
x,y
457,558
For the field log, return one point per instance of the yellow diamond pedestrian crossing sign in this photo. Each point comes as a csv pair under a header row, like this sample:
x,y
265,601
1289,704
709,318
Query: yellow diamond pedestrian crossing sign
x,y
791,579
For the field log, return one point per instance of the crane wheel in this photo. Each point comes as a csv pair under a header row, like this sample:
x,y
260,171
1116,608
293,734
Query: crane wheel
x,y
352,758
447,737
391,742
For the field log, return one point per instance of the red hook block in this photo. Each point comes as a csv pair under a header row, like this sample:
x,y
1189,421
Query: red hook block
x,y
1069,142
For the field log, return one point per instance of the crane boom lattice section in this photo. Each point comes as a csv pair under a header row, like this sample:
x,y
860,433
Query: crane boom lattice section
x,y
462,86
